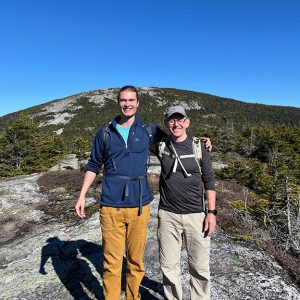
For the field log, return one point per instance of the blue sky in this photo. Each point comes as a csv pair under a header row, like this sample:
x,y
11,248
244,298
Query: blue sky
x,y
242,49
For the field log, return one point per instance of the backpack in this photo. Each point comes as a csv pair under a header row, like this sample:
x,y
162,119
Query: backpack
x,y
197,154
108,156
107,134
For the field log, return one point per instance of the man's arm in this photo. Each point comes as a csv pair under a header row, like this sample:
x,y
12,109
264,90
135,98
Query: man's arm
x,y
209,184
210,219
159,134
92,169
89,178
44,257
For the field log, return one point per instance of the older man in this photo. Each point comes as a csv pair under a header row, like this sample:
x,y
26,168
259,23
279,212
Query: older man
x,y
186,166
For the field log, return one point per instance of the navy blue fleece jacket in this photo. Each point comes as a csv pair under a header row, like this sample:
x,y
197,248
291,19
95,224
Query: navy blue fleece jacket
x,y
125,166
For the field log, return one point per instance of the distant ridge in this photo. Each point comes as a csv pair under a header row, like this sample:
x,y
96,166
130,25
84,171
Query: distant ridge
x,y
84,113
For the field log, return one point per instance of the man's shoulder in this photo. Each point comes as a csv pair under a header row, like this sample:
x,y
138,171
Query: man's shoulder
x,y
152,130
139,122
104,130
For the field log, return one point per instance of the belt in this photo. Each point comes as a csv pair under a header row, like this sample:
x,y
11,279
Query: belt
x,y
132,178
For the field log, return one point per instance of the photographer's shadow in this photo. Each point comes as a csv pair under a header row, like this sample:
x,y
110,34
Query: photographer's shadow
x,y
74,271
147,284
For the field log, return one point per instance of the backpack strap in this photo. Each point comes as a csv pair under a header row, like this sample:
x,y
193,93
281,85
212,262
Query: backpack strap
x,y
178,160
198,155
148,129
197,150
162,146
105,137
149,132
106,134
132,178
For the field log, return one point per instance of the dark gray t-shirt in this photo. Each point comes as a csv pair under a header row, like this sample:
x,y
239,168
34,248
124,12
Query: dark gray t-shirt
x,y
178,193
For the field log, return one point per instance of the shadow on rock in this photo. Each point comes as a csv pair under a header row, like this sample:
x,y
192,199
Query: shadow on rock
x,y
74,271
147,284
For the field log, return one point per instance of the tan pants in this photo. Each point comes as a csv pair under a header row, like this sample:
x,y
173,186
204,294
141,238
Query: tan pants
x,y
123,228
171,228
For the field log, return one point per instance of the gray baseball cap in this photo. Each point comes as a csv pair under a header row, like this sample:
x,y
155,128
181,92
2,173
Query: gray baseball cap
x,y
174,110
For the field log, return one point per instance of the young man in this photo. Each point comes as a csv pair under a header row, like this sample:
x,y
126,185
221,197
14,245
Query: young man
x,y
181,210
123,148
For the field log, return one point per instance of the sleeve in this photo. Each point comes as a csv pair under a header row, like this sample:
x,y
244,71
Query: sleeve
x,y
207,169
158,135
97,153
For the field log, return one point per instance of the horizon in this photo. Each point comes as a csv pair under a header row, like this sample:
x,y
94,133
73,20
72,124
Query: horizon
x,y
154,87
242,51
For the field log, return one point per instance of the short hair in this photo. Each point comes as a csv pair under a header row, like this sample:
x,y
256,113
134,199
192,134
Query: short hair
x,y
129,88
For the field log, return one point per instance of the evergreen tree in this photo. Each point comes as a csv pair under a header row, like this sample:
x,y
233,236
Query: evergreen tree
x,y
81,147
24,149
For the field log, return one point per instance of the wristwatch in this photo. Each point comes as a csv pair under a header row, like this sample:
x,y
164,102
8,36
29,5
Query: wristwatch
x,y
212,211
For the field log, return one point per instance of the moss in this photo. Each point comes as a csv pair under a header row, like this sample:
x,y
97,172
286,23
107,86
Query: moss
x,y
246,238
263,204
238,204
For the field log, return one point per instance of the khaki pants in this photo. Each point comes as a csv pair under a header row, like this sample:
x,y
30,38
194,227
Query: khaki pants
x,y
171,228
123,228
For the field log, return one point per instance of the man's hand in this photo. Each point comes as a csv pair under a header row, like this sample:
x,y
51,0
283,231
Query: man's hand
x,y
89,177
207,143
210,224
80,207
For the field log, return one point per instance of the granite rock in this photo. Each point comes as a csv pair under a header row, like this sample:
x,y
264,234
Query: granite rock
x,y
60,257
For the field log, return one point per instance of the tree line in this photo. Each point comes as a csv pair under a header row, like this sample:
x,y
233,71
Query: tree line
x,y
264,158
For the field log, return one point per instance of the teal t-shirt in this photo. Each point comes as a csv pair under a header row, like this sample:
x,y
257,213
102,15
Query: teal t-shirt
x,y
124,132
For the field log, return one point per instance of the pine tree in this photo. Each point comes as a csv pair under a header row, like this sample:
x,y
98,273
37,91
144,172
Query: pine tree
x,y
24,149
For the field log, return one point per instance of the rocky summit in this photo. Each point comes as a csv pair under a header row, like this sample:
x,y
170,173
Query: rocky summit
x,y
48,253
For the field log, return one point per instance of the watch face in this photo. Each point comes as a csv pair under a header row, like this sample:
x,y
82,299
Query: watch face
x,y
212,211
